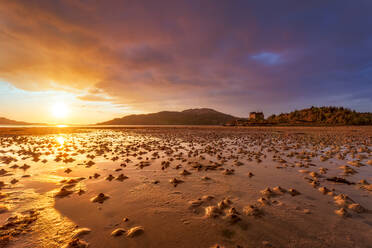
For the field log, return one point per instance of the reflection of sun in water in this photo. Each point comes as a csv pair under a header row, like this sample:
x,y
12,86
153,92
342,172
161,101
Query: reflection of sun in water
x,y
59,110
60,140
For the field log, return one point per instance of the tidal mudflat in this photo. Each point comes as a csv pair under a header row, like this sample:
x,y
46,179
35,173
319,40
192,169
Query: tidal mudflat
x,y
186,187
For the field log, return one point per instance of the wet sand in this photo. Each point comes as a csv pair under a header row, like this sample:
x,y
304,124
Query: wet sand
x,y
186,187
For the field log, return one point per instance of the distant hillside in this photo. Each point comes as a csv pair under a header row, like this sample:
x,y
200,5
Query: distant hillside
x,y
322,116
5,121
203,116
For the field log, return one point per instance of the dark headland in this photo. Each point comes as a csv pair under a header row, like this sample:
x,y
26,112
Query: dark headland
x,y
202,116
5,121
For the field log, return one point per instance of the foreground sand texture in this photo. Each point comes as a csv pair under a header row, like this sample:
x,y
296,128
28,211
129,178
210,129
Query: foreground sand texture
x,y
186,187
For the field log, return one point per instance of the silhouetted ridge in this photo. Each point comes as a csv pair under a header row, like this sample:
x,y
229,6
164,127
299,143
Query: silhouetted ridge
x,y
202,116
5,121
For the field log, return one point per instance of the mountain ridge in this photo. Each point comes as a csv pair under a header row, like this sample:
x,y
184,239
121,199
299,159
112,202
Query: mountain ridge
x,y
6,121
196,116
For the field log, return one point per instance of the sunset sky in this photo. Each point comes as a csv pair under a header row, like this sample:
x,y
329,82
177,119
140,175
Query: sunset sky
x,y
105,59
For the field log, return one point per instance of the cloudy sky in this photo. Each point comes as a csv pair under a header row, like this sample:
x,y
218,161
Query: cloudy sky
x,y
106,59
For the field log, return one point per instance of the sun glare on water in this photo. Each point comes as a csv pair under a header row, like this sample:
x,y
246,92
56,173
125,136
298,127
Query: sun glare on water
x,y
59,110
61,126
60,140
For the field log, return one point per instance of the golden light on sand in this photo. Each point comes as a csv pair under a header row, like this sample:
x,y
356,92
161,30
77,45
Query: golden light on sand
x,y
60,140
60,110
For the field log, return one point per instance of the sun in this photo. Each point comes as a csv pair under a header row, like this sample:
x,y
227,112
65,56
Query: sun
x,y
60,110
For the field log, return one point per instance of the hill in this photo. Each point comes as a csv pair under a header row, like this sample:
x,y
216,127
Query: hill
x,y
5,121
202,116
321,116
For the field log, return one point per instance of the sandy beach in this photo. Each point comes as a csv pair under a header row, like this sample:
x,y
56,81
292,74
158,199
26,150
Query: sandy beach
x,y
186,187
